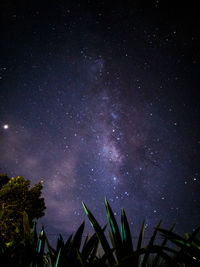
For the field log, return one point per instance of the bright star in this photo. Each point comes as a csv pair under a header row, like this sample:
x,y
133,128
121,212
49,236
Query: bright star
x,y
5,126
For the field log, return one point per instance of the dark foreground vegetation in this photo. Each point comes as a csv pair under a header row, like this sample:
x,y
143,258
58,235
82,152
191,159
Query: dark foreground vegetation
x,y
22,246
84,253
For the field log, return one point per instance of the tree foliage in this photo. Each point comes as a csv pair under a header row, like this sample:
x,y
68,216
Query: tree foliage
x,y
16,196
3,180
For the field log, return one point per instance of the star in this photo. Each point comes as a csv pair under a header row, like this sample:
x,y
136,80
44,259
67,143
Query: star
x,y
5,126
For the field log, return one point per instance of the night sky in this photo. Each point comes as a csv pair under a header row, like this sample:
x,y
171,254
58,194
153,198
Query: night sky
x,y
102,101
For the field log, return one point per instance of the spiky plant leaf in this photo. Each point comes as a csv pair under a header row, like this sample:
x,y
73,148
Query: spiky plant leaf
x,y
60,242
126,234
157,258
78,237
80,259
41,243
195,241
193,235
86,241
117,242
94,251
100,234
52,253
188,252
146,256
186,249
58,258
68,242
171,235
162,254
111,238
176,239
89,246
139,245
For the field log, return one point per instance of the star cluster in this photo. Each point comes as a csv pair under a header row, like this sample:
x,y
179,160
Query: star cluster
x,y
103,102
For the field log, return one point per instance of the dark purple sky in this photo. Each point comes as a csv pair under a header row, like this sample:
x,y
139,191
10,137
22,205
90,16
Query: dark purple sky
x,y
103,101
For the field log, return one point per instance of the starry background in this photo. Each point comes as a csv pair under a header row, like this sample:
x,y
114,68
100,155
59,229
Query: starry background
x,y
102,101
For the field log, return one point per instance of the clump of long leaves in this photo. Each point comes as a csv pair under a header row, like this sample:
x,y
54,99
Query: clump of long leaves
x,y
188,253
69,253
122,252
30,252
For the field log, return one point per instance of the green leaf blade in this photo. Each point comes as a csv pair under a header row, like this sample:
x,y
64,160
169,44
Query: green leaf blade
x,y
100,234
117,242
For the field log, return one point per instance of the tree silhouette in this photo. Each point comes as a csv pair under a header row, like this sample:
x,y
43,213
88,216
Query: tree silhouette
x,y
16,196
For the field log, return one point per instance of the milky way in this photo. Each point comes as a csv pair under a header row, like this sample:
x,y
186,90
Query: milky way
x,y
101,103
